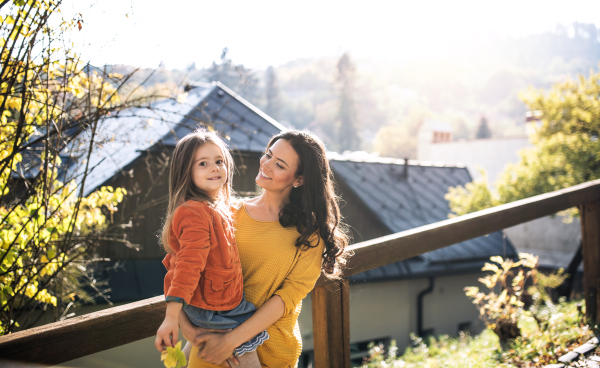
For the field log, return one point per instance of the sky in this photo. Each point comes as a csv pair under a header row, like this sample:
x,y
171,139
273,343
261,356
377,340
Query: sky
x,y
258,33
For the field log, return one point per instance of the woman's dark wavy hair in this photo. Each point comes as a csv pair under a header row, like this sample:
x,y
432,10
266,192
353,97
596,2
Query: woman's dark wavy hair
x,y
314,205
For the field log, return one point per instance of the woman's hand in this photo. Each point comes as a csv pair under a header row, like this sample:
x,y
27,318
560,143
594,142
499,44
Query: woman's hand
x,y
190,332
217,348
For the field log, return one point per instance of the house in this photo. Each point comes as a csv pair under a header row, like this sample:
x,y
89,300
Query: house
x,y
381,196
435,144
554,241
384,196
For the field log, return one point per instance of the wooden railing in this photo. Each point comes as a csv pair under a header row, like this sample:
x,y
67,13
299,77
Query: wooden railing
x,y
73,338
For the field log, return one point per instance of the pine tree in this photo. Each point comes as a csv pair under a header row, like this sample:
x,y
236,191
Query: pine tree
x,y
273,108
483,130
347,130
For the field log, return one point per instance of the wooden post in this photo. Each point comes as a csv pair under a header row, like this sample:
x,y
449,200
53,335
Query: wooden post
x,y
590,236
331,325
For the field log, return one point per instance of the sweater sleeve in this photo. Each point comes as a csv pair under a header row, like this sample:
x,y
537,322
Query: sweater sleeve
x,y
191,228
302,278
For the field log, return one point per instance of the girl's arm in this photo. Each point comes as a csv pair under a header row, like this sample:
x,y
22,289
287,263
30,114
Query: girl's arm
x,y
168,332
219,347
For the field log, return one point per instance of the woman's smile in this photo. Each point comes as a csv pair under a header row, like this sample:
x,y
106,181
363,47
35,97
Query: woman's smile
x,y
265,175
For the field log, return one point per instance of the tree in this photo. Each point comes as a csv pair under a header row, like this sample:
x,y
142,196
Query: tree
x,y
348,137
395,141
52,111
237,77
483,130
566,151
273,94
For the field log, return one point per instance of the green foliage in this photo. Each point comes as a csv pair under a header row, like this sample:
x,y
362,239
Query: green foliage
x,y
565,330
566,150
500,311
49,102
534,348
465,351
474,196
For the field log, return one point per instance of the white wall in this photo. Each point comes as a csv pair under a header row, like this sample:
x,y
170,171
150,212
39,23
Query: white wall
x,y
549,238
490,154
389,309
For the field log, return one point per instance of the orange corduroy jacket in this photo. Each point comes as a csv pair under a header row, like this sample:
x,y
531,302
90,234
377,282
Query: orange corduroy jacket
x,y
204,267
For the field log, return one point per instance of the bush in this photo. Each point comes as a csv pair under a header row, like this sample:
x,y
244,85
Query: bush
x,y
536,347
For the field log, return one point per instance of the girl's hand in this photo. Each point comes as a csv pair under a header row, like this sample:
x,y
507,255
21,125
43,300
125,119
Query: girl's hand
x,y
167,334
217,348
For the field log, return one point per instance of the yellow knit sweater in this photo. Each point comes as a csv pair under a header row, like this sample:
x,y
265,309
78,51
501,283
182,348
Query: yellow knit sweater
x,y
273,265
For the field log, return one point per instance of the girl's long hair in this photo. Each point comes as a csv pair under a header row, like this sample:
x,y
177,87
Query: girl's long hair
x,y
181,187
314,205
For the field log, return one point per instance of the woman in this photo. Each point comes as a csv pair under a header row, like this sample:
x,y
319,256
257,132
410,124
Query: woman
x,y
286,237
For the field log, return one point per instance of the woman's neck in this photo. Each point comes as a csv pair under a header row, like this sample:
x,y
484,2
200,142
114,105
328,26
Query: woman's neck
x,y
274,202
268,206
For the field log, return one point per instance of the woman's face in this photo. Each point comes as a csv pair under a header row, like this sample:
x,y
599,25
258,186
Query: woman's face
x,y
278,168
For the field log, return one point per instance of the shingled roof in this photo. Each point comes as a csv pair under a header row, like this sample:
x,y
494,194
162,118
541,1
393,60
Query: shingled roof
x,y
127,136
405,195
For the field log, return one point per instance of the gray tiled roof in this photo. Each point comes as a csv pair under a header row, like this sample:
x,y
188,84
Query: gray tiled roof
x,y
126,136
403,203
245,127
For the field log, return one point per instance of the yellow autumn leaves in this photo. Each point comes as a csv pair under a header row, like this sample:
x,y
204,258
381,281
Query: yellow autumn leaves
x,y
45,223
509,277
173,357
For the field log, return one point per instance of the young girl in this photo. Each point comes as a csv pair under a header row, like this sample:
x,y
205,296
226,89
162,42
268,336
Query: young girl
x,y
204,273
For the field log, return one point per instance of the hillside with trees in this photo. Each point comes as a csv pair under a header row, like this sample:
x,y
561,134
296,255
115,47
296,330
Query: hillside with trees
x,y
393,98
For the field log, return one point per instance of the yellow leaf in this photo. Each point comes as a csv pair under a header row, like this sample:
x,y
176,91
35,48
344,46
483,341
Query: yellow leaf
x,y
490,267
496,259
173,357
182,97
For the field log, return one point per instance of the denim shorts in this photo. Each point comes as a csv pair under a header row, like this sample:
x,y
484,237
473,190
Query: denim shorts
x,y
222,320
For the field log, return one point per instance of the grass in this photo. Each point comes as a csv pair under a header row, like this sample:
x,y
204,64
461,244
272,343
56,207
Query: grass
x,y
563,328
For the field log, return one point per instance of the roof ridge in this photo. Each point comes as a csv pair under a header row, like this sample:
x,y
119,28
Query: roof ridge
x,y
250,106
334,156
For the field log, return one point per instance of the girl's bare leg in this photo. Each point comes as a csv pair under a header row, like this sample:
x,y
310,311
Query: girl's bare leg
x,y
248,360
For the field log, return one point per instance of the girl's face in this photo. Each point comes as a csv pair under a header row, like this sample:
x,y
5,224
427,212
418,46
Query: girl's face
x,y
209,172
278,168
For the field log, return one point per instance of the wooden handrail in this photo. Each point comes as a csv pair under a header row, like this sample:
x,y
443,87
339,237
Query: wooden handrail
x,y
396,247
73,338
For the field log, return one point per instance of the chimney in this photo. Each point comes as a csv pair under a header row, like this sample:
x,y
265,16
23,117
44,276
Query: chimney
x,y
405,171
